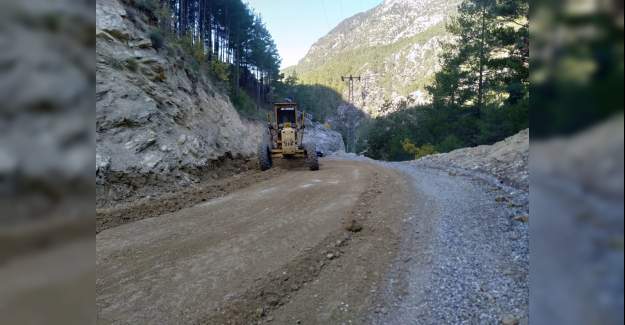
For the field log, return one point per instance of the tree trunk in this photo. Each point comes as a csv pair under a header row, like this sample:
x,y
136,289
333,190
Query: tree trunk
x,y
257,91
201,19
480,86
209,24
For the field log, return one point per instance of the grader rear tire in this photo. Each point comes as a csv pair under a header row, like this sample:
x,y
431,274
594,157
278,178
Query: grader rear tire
x,y
264,156
311,157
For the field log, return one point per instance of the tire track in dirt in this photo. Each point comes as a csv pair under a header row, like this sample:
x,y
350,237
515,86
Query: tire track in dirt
x,y
271,297
279,250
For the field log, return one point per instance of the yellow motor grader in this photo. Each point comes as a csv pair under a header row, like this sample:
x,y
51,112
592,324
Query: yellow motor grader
x,y
284,139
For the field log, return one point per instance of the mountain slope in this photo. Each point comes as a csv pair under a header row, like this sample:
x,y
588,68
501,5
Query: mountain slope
x,y
394,46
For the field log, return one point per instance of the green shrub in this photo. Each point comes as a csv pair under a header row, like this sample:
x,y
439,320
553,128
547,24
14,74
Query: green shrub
x,y
195,50
409,147
425,150
192,52
418,152
498,123
164,17
220,70
244,104
158,41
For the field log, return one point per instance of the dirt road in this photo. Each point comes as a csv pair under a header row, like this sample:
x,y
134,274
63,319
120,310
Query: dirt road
x,y
437,246
276,251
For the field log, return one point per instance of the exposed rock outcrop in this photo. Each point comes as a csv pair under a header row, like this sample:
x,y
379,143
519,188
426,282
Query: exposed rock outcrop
x,y
47,80
159,120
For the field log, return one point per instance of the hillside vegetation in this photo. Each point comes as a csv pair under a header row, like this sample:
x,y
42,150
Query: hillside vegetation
x,y
394,47
479,96
230,42
329,69
223,38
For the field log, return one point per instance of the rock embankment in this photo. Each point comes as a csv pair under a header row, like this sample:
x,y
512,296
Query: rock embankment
x,y
506,160
154,114
158,119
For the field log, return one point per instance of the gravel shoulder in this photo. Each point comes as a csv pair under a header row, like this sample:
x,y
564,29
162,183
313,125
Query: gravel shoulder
x,y
464,255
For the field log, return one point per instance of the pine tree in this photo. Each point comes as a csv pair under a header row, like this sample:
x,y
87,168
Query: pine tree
x,y
487,62
227,32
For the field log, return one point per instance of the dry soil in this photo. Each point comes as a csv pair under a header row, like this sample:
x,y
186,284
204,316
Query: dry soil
x,y
299,247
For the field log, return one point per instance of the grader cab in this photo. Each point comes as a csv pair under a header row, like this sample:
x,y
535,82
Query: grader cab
x,y
284,139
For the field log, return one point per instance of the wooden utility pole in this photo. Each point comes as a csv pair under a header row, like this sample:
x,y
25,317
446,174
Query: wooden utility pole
x,y
351,80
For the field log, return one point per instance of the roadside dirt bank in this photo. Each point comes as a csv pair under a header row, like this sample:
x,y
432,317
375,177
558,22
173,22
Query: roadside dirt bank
x,y
162,201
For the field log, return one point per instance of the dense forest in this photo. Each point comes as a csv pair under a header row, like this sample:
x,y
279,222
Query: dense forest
x,y
480,95
224,37
231,42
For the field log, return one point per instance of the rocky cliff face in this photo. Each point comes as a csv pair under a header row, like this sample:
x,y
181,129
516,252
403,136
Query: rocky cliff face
x,y
155,115
158,120
393,46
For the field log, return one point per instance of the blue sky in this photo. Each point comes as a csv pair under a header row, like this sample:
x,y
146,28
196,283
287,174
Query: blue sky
x,y
296,24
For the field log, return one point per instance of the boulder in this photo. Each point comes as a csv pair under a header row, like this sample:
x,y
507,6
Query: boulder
x,y
327,140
